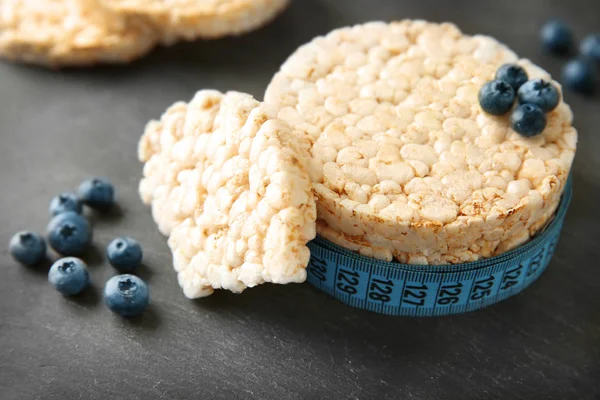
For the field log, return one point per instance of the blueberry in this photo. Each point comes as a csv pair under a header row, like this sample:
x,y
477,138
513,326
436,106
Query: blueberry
x,y
590,47
539,92
512,74
69,275
28,248
496,97
69,233
579,75
528,120
557,37
97,193
65,202
124,253
126,295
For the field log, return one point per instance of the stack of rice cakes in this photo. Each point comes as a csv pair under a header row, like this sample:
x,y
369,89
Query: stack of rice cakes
x,y
404,162
59,33
381,122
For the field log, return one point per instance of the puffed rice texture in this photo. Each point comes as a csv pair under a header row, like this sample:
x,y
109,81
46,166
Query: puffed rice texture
x,y
404,162
229,184
58,33
201,19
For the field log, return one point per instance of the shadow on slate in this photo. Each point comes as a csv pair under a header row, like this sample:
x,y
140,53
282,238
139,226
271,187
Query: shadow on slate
x,y
94,255
301,313
40,268
149,320
143,272
311,314
269,45
105,217
89,297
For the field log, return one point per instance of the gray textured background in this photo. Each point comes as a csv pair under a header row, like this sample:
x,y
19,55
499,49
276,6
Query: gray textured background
x,y
57,128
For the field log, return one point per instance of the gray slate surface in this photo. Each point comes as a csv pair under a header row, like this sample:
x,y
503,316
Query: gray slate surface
x,y
293,342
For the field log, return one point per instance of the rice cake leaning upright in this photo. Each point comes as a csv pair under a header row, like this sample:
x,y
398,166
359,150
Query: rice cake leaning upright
x,y
405,164
70,33
229,185
201,19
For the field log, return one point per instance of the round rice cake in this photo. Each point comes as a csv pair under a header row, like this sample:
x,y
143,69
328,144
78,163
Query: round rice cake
x,y
404,162
201,19
228,182
70,33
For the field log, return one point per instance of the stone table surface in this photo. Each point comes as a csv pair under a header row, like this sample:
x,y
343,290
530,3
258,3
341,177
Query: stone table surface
x,y
274,342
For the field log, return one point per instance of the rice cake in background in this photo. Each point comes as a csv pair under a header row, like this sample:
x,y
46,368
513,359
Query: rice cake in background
x,y
201,19
404,162
229,184
70,33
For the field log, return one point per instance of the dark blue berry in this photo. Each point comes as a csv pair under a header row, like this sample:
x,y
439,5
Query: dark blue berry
x,y
126,295
579,75
528,120
97,193
539,92
496,97
557,37
590,47
65,202
69,233
125,254
512,74
69,276
28,248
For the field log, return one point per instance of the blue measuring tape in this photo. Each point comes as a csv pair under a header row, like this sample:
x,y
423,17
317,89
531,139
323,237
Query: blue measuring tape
x,y
417,290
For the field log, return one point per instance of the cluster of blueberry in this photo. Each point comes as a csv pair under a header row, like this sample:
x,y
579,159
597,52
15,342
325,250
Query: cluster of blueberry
x,y
579,73
535,97
69,233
